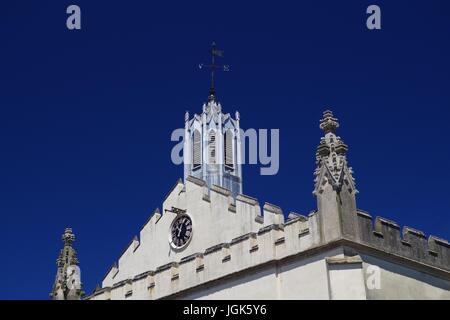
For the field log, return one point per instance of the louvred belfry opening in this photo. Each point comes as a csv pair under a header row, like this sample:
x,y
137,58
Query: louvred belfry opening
x,y
197,150
212,147
229,163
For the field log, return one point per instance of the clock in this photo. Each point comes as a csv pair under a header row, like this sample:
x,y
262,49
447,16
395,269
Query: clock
x,y
180,231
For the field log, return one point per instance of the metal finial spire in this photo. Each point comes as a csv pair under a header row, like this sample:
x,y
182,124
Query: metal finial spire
x,y
213,67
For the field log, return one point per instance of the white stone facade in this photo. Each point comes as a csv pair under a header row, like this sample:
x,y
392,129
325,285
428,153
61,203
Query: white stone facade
x,y
240,250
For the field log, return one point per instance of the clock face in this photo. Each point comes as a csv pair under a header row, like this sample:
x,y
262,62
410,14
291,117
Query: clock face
x,y
180,231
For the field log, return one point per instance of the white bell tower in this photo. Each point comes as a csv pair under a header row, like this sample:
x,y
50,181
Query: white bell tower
x,y
212,142
212,148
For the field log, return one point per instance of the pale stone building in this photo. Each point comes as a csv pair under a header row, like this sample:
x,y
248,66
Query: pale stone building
x,y
210,241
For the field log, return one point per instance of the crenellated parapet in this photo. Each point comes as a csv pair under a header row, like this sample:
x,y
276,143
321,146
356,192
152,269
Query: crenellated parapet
x,y
298,235
268,244
387,236
271,238
256,234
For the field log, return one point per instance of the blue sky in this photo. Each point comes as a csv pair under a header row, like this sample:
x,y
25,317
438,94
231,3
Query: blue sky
x,y
86,116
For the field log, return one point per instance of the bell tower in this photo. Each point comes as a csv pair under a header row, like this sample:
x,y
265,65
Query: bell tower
x,y
212,141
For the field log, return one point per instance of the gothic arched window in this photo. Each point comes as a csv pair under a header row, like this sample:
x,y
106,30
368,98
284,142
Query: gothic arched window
x,y
228,149
212,147
196,150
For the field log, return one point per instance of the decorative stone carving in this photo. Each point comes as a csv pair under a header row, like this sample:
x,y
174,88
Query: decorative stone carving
x,y
332,167
67,284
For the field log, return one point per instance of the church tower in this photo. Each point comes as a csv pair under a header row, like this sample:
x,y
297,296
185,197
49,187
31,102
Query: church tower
x,y
212,142
67,284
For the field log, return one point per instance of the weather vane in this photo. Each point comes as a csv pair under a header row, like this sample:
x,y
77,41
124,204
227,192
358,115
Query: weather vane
x,y
213,67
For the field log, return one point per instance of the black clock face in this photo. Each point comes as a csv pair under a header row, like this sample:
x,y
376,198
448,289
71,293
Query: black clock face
x,y
181,231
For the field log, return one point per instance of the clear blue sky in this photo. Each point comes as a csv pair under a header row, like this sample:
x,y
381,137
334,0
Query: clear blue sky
x,y
86,116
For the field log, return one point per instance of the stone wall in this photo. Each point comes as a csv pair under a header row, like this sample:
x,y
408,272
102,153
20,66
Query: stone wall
x,y
386,235
267,252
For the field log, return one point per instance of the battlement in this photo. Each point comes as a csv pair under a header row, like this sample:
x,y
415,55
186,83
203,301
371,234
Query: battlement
x,y
410,243
232,217
270,243
265,237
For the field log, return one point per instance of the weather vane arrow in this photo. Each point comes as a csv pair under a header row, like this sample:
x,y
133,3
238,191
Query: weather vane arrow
x,y
213,67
